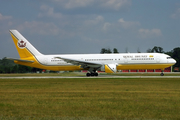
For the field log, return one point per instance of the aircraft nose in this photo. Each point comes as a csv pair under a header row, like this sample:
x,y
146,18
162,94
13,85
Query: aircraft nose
x,y
173,61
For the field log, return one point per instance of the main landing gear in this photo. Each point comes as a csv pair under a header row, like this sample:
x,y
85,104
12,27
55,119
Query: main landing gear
x,y
92,74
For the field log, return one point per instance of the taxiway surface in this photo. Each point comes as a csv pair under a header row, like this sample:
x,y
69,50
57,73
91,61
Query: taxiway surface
x,y
40,77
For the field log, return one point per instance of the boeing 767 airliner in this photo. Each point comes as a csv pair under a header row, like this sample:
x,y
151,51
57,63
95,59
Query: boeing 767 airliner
x,y
109,63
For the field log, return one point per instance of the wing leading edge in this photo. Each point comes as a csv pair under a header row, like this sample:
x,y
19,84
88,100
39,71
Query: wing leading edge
x,y
84,64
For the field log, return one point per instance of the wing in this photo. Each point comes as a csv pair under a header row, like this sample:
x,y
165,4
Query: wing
x,y
84,64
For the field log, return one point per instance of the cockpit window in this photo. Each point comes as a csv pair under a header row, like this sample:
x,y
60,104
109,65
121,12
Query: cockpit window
x,y
169,58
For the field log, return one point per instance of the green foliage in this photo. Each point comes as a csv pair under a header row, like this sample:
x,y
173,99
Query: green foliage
x,y
104,50
175,53
155,49
108,50
6,66
115,50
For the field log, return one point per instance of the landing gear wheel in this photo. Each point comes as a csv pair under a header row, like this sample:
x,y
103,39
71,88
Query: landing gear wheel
x,y
92,74
162,74
88,74
95,74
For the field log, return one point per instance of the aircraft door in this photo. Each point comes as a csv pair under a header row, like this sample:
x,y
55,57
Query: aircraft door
x,y
45,61
125,60
157,59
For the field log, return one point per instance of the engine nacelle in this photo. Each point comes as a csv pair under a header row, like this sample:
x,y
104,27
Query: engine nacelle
x,y
109,68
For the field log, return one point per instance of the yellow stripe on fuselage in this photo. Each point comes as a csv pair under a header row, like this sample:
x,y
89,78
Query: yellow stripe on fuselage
x,y
142,66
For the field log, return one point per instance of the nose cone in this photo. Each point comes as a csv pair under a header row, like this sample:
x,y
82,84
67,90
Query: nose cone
x,y
173,61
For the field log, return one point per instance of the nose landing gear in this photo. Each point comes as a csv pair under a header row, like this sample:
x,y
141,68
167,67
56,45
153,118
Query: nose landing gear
x,y
162,74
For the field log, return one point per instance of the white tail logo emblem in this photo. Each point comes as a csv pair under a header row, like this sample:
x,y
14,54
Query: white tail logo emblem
x,y
21,44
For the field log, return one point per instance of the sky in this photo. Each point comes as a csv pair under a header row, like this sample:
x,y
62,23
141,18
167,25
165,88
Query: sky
x,y
87,26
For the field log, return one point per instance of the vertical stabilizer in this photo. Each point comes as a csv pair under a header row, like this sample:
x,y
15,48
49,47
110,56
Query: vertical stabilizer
x,y
24,48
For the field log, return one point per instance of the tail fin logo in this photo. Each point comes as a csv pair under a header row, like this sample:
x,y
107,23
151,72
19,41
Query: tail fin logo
x,y
21,44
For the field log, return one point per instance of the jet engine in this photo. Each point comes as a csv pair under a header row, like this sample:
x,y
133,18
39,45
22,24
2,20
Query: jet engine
x,y
109,68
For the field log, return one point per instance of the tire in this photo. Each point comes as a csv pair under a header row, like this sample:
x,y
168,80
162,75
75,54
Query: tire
x,y
88,74
95,74
162,74
92,74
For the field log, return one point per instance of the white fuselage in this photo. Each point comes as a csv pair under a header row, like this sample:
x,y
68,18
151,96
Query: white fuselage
x,y
129,59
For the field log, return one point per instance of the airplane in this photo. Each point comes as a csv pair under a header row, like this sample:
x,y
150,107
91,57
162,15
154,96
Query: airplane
x,y
109,63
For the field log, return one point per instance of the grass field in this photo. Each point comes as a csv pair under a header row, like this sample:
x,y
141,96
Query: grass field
x,y
69,98
84,74
45,74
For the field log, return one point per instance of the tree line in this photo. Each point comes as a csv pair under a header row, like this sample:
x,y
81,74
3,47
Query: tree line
x,y
8,66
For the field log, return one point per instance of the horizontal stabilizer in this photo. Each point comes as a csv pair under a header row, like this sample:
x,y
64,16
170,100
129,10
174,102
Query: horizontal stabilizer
x,y
21,60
